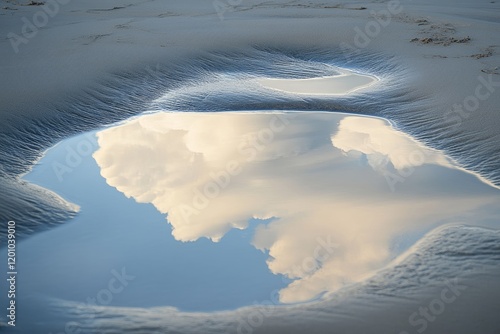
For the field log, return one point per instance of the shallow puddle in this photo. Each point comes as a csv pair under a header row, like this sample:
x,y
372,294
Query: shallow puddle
x,y
345,83
212,211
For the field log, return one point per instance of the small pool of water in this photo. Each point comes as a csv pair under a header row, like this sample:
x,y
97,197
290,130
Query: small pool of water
x,y
214,211
345,83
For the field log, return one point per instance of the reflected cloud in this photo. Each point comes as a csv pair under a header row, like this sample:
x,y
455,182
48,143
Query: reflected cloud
x,y
382,144
333,218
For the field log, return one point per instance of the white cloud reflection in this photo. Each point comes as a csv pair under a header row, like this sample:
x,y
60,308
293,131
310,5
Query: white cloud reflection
x,y
334,217
381,144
